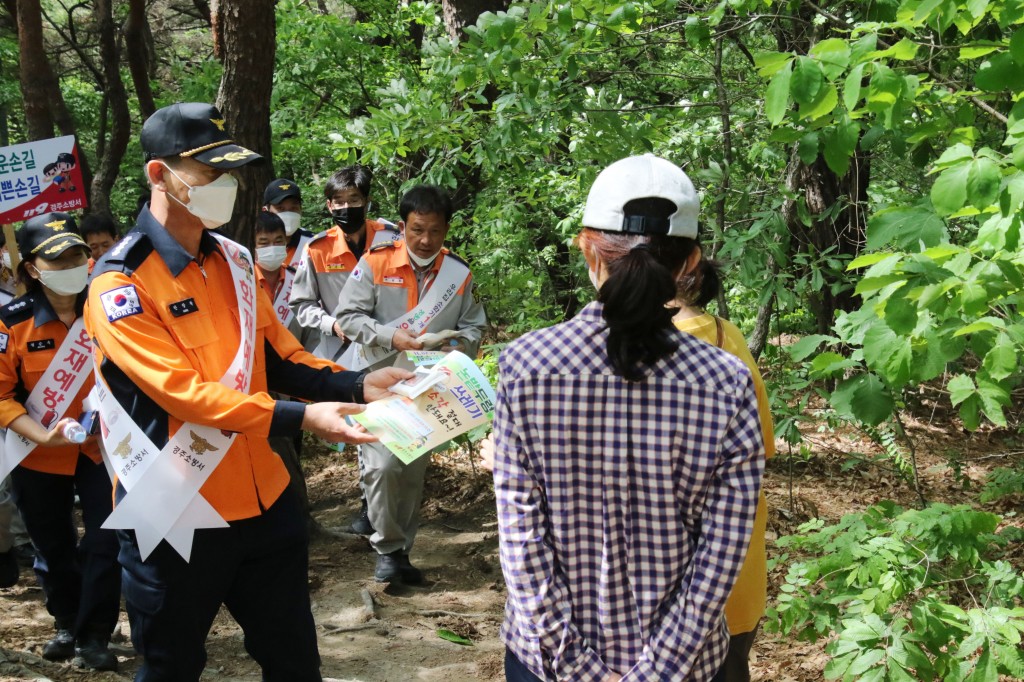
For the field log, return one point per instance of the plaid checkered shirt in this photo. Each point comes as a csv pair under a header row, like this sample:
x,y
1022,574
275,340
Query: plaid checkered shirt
x,y
624,509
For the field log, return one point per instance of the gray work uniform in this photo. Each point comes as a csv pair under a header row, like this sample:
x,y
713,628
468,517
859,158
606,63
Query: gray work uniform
x,y
319,280
385,287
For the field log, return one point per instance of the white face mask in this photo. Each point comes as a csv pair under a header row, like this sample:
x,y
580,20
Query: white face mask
x,y
7,260
271,257
421,262
593,279
65,282
211,203
291,221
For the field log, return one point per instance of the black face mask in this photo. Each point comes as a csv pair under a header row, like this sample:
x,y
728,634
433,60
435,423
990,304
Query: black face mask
x,y
349,219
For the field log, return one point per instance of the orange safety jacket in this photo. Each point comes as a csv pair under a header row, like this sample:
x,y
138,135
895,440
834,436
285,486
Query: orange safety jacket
x,y
293,244
384,287
320,278
165,333
30,335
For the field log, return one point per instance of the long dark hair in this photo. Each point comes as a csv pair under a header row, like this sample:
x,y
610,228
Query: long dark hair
x,y
701,285
637,294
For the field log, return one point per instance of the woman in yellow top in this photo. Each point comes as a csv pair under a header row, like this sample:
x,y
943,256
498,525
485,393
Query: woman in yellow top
x,y
746,604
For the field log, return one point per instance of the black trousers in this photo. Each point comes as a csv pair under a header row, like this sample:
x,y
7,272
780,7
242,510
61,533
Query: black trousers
x,y
80,578
256,567
736,667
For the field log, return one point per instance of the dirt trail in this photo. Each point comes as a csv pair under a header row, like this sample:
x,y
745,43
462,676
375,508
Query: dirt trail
x,y
457,549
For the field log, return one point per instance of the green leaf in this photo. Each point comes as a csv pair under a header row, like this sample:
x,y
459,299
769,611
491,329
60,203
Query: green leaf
x,y
1017,46
904,226
888,354
949,192
978,49
829,363
852,87
834,55
807,150
985,668
1000,73
770,63
803,348
697,31
884,89
1001,360
863,397
974,298
904,50
776,99
961,387
993,398
868,259
452,637
983,181
840,144
985,324
954,155
824,103
900,314
866,660
807,80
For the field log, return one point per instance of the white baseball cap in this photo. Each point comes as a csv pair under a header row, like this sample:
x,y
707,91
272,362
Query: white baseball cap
x,y
642,177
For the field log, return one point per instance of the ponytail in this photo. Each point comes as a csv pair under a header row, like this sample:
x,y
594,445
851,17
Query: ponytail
x,y
637,294
635,298
702,285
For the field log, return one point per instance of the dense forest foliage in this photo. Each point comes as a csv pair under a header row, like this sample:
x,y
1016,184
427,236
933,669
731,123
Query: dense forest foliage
x,y
861,166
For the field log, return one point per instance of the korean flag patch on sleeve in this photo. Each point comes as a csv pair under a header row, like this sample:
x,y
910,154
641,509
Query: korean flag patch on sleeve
x,y
4,338
121,302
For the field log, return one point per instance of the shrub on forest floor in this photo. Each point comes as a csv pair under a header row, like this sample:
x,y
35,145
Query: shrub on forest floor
x,y
909,594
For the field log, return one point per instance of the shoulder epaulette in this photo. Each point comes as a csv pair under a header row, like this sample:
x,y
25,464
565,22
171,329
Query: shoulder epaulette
x,y
18,310
452,255
382,245
126,256
318,235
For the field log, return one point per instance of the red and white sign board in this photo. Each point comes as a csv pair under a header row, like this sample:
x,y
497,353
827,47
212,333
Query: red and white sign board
x,y
39,177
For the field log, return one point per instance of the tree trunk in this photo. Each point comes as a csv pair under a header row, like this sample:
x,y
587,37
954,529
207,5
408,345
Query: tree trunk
x,y
841,236
248,29
136,28
34,70
117,103
460,13
42,99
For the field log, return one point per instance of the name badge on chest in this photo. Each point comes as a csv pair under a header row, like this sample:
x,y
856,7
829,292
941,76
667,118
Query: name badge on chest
x,y
41,344
184,307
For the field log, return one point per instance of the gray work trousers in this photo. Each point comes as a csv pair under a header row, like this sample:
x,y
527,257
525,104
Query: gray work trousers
x,y
393,492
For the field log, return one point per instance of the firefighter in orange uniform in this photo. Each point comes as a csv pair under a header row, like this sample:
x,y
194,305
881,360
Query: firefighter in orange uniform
x,y
165,311
44,375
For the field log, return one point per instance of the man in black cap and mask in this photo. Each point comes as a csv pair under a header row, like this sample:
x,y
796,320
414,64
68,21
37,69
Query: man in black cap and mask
x,y
186,352
333,254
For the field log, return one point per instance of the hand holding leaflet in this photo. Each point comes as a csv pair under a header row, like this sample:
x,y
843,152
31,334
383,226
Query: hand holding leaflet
x,y
460,400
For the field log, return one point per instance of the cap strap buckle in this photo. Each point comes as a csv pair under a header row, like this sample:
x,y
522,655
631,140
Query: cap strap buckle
x,y
641,224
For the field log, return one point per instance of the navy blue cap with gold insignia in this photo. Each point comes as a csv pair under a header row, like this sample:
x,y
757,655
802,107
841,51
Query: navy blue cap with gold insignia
x,y
48,236
193,130
280,189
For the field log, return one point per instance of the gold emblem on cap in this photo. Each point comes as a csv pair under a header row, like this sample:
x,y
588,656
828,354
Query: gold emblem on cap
x,y
284,186
59,246
56,224
219,122
233,156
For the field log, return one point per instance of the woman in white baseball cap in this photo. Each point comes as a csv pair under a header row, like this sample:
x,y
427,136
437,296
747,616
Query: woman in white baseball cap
x,y
628,458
